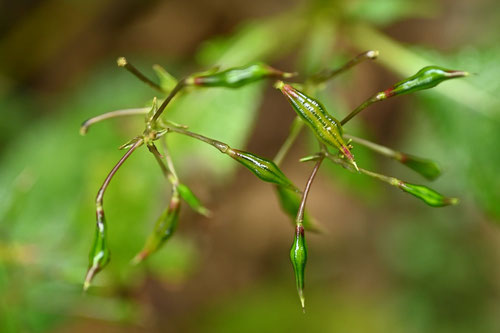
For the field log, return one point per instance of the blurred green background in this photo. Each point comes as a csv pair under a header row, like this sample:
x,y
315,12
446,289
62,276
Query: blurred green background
x,y
385,262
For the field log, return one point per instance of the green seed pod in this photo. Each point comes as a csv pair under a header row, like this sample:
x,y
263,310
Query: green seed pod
x,y
429,196
427,168
237,77
298,256
263,168
326,128
191,199
164,229
290,203
99,255
427,77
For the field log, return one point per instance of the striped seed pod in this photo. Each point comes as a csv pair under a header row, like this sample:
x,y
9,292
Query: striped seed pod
x,y
298,256
237,77
163,230
263,168
326,128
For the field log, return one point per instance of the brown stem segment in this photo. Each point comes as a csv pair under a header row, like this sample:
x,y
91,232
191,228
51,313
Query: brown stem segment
x,y
122,62
180,85
302,207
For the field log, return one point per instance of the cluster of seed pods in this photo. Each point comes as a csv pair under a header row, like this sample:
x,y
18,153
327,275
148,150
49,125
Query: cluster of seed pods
x,y
335,146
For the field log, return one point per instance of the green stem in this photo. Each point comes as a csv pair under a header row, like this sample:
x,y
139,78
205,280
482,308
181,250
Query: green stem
x,y
375,98
295,130
328,74
388,152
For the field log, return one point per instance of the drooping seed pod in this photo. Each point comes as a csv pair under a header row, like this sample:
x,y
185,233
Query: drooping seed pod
x,y
290,203
164,229
429,196
99,254
298,256
193,201
237,77
325,127
263,168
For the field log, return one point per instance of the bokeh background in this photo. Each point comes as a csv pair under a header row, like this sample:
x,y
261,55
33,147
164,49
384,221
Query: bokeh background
x,y
385,262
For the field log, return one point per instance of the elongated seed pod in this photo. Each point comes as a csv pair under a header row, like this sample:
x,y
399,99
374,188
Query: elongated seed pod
x,y
164,229
427,77
192,200
99,254
325,127
290,203
237,77
428,195
298,256
263,168
427,168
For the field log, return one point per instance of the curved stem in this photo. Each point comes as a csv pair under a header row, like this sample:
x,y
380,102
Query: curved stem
x,y
295,130
112,114
302,207
104,186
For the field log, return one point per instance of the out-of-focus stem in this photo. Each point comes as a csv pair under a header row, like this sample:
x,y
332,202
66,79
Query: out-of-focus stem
x,y
328,74
122,62
295,129
376,147
178,87
112,114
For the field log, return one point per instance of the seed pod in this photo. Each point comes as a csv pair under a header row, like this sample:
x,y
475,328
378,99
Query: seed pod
x,y
164,229
427,77
99,255
237,77
290,203
263,168
325,127
427,168
191,199
429,196
298,256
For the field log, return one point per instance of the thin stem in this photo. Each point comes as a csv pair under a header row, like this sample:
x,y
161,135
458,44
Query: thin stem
x,y
168,159
215,143
152,149
390,180
364,105
112,114
104,186
295,130
122,62
376,147
328,74
178,87
302,207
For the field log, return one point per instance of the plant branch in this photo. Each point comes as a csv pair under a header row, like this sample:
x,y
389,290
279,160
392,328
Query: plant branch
x,y
122,62
112,114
